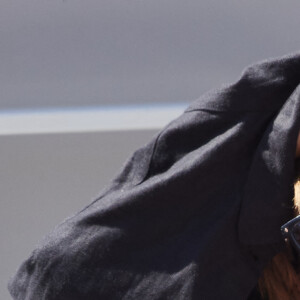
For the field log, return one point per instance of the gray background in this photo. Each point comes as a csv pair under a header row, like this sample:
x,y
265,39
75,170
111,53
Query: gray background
x,y
107,52
62,54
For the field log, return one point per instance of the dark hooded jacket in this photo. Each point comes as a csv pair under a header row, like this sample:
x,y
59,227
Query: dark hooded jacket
x,y
195,213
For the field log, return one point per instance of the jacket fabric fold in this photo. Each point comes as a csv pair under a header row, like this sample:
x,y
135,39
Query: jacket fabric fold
x,y
193,214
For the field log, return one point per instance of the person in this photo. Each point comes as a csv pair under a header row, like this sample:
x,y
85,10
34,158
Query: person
x,y
280,279
194,214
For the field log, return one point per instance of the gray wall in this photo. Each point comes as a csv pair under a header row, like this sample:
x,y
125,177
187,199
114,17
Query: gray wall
x,y
45,178
60,53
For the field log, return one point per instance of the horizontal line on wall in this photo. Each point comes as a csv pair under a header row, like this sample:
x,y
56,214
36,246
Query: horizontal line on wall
x,y
88,119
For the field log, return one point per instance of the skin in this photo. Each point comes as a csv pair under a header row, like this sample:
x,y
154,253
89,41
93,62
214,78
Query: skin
x,y
298,146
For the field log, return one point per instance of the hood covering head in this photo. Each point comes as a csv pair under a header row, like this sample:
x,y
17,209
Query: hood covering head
x,y
195,213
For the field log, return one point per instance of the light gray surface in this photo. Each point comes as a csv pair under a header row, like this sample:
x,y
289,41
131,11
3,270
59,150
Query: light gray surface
x,y
46,178
75,52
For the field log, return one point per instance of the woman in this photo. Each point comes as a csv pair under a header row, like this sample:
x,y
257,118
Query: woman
x,y
194,214
281,279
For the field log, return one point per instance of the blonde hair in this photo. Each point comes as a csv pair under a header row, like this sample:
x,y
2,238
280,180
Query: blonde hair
x,y
279,280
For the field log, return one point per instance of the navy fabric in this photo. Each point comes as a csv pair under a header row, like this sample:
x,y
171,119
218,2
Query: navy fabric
x,y
195,213
255,295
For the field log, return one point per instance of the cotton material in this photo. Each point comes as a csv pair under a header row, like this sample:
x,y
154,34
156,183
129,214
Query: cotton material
x,y
195,213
